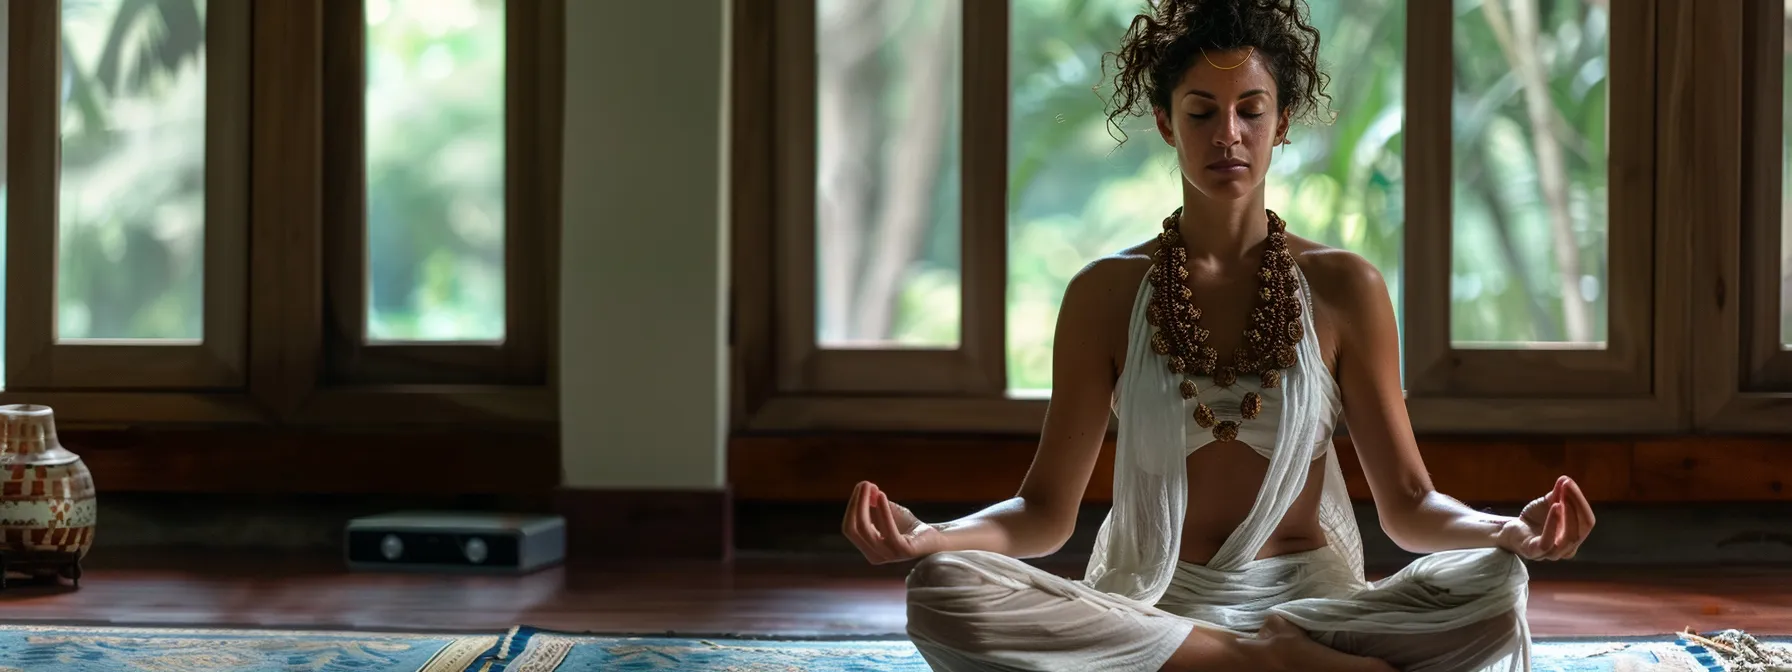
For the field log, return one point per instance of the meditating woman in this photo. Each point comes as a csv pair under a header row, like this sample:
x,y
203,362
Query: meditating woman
x,y
1228,348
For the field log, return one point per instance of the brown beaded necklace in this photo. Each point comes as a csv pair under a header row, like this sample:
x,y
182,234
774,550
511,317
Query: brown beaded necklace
x,y
1269,341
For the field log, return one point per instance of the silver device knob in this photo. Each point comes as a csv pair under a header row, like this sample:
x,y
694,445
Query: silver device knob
x,y
391,547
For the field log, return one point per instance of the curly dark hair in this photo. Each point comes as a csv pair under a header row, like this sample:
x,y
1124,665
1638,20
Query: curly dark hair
x,y
1162,44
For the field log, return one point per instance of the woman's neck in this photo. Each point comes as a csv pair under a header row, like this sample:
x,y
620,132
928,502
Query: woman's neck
x,y
1222,231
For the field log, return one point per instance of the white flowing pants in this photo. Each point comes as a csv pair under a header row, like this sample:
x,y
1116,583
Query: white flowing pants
x,y
1446,612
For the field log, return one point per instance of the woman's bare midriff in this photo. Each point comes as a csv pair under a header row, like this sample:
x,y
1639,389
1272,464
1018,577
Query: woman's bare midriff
x,y
1223,480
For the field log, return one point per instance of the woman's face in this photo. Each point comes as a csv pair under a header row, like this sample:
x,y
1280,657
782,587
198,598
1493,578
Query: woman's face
x,y
1222,120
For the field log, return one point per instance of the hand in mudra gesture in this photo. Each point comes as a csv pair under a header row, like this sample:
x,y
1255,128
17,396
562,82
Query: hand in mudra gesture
x,y
1551,527
885,531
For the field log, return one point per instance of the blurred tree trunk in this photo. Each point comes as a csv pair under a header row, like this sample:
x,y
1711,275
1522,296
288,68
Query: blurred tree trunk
x,y
911,171
848,79
1518,39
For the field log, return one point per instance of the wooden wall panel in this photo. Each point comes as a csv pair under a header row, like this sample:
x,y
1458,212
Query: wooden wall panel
x,y
293,461
1477,470
1726,470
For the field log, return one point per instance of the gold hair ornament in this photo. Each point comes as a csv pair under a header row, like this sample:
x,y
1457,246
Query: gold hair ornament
x,y
1247,57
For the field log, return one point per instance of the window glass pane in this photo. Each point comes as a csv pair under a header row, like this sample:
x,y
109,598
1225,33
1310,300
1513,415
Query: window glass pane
x,y
435,170
887,77
131,202
1075,196
1786,186
1529,257
5,66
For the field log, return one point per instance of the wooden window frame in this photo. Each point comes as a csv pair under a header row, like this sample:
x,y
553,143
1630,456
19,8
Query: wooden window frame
x,y
285,377
976,366
1743,378
1631,384
37,359
1638,383
531,158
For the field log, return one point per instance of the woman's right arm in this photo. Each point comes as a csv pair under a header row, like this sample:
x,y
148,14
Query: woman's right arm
x,y
1041,516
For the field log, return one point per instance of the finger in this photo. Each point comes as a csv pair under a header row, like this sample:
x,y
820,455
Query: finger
x,y
852,501
875,537
864,512
872,553
855,529
1571,526
1581,503
1566,552
894,542
1536,546
856,513
1560,554
1552,530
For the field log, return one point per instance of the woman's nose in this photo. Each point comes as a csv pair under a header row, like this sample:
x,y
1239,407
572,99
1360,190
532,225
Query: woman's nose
x,y
1227,134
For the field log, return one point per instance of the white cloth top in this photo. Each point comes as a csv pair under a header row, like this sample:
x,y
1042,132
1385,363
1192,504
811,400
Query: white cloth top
x,y
1260,432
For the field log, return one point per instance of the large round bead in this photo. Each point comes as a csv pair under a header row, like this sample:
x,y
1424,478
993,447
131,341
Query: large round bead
x,y
1251,406
1226,431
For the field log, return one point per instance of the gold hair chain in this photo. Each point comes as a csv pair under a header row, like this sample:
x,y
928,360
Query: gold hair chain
x,y
1247,58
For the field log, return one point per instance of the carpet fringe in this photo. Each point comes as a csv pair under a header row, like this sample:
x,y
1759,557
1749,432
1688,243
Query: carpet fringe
x,y
1737,651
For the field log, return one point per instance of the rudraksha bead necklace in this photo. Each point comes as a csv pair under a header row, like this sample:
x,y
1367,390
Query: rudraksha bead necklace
x,y
1269,340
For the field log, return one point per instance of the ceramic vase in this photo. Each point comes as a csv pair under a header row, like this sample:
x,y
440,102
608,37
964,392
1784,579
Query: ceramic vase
x,y
47,506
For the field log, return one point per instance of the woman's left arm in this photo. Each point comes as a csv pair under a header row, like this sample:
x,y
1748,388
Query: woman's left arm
x,y
1353,295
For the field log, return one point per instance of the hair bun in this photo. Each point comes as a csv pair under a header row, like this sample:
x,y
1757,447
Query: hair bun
x,y
1161,45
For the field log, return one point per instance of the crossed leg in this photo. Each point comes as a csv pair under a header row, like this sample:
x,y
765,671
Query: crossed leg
x,y
985,611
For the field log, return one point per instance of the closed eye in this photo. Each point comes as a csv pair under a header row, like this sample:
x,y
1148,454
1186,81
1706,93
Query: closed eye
x,y
1209,115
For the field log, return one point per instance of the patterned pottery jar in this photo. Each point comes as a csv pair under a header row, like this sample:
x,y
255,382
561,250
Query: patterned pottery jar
x,y
47,506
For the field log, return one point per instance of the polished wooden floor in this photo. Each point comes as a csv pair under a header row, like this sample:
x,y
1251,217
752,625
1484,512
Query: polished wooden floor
x,y
754,596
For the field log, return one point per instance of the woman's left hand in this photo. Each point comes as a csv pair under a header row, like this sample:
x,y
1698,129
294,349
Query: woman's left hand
x,y
1551,527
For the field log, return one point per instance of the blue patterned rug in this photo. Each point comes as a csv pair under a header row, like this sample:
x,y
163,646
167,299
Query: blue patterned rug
x,y
524,649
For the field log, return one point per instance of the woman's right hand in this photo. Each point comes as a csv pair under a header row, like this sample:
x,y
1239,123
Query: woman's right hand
x,y
885,531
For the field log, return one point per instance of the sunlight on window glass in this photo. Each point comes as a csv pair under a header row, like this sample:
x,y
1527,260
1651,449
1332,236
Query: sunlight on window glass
x,y
435,170
1075,197
131,224
5,66
1786,187
1529,257
887,77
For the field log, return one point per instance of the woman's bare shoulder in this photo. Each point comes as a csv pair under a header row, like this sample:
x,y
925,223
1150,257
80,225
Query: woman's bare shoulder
x,y
1113,278
1097,306
1350,297
1339,278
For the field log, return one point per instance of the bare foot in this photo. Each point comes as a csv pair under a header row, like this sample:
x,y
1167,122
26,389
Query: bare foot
x,y
1294,649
